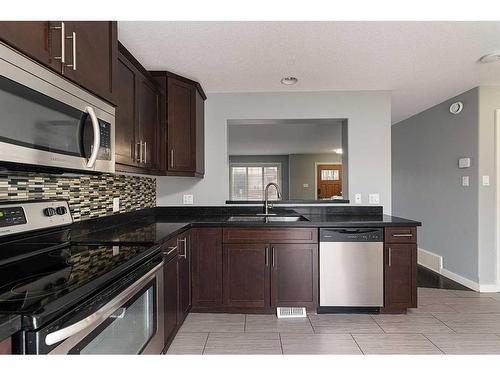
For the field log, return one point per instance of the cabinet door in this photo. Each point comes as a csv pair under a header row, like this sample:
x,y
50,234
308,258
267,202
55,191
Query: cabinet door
x,y
171,297
6,346
184,276
148,97
96,47
35,39
200,134
181,126
294,276
207,267
125,96
400,276
246,275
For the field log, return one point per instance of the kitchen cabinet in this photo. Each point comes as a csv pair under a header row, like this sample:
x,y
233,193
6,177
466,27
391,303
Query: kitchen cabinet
x,y
171,285
184,264
246,275
400,265
82,51
137,126
206,253
183,122
294,275
6,346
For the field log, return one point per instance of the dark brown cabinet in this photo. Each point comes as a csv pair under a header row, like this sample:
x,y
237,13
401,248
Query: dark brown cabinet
x,y
171,286
400,265
82,51
206,253
6,346
183,122
184,264
137,126
294,275
246,275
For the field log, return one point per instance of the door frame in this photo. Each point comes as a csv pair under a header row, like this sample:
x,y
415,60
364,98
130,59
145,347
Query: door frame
x,y
316,163
497,181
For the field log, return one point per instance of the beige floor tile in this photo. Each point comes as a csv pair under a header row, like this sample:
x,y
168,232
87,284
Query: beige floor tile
x,y
431,308
475,305
432,292
214,323
243,343
188,343
299,343
270,323
471,323
455,343
413,323
395,344
473,294
344,323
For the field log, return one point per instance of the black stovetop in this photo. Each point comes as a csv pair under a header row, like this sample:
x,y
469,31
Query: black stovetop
x,y
40,278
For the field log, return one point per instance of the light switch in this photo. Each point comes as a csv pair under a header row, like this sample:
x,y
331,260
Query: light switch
x,y
187,199
357,198
374,198
465,180
305,185
486,180
116,204
464,163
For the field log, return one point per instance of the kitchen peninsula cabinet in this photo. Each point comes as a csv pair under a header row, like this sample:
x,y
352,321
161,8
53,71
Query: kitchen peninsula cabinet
x,y
82,51
6,346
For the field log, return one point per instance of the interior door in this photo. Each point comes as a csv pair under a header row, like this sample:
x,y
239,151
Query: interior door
x,y
329,178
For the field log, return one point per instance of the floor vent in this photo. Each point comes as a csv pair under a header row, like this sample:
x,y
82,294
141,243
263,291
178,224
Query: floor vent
x,y
291,312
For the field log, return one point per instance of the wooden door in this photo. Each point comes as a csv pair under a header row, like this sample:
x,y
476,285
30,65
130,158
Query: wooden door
x,y
329,179
246,275
206,246
400,291
35,39
181,126
149,126
171,297
184,258
294,276
125,120
96,48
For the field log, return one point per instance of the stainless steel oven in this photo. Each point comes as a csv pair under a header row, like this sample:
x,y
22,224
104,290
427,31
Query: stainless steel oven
x,y
49,122
126,318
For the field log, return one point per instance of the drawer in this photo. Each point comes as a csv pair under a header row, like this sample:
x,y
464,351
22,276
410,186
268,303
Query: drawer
x,y
400,235
270,235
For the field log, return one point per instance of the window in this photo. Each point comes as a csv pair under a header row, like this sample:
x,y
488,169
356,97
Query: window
x,y
248,180
329,175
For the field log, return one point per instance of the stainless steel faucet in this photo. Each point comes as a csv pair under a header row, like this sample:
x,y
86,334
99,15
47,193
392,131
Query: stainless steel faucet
x,y
267,205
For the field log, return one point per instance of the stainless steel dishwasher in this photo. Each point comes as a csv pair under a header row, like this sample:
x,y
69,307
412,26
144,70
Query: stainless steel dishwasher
x,y
351,270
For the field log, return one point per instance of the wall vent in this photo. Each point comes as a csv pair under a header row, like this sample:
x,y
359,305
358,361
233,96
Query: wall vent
x,y
291,312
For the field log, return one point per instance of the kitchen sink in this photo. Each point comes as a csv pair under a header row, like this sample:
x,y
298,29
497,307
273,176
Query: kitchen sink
x,y
267,219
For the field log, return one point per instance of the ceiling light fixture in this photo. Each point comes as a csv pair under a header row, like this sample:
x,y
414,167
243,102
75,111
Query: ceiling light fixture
x,y
490,57
289,80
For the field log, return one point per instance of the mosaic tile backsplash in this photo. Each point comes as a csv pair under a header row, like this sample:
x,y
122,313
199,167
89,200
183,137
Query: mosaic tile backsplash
x,y
89,196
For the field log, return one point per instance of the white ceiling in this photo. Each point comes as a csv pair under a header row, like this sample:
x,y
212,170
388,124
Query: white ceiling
x,y
422,63
262,137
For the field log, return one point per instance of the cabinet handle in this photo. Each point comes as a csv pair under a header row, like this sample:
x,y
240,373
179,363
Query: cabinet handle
x,y
184,254
73,37
267,257
390,257
145,153
140,151
63,49
172,158
273,254
402,235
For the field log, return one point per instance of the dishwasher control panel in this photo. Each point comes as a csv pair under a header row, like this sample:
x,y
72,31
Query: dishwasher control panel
x,y
351,235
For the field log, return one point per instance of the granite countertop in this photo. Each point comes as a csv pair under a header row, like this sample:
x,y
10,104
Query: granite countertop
x,y
9,324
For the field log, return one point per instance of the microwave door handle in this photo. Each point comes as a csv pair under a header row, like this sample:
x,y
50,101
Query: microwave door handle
x,y
97,137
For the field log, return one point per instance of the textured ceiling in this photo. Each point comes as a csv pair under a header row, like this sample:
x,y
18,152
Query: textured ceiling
x,y
422,63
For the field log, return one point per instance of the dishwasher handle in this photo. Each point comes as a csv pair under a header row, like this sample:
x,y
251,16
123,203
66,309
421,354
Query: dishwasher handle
x,y
351,235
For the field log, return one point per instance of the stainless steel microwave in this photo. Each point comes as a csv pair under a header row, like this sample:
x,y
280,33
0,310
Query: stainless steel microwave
x,y
49,122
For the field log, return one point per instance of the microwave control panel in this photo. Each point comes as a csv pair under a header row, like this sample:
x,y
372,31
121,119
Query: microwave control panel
x,y
105,149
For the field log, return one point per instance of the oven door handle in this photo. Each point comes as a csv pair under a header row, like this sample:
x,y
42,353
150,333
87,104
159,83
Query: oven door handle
x,y
102,314
97,137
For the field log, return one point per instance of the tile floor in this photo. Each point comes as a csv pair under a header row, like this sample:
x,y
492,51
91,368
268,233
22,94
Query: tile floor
x,y
446,322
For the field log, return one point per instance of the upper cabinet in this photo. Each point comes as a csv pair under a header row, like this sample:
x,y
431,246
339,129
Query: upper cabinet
x,y
183,123
82,51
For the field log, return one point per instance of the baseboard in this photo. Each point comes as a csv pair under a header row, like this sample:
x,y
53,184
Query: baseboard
x,y
430,260
461,280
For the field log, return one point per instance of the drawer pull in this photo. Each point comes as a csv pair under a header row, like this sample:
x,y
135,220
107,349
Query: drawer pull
x,y
403,235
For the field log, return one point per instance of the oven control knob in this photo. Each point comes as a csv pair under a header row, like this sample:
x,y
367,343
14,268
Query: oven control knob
x,y
49,211
61,210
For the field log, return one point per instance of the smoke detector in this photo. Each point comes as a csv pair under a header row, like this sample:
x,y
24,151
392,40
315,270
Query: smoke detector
x,y
490,57
456,108
289,80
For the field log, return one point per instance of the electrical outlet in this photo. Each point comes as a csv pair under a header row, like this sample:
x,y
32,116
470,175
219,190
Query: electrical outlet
x,y
486,180
465,181
187,199
116,204
374,198
357,198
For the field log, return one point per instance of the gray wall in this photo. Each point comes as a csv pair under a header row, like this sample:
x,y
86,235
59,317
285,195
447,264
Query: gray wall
x,y
426,181
302,171
369,123
283,159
